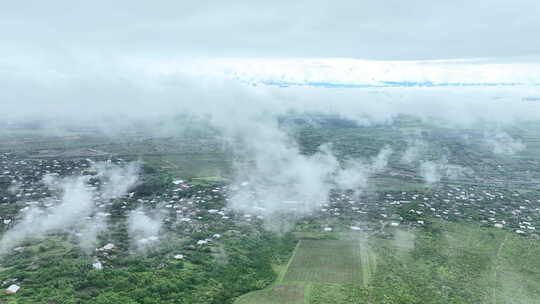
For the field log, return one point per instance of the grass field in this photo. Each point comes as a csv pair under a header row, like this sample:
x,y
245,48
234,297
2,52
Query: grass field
x,y
325,261
447,263
293,294
319,269
336,294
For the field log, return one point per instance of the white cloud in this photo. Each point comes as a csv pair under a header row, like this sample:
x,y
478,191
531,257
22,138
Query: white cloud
x,y
77,203
502,143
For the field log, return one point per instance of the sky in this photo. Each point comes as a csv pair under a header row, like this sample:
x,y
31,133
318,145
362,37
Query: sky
x,y
142,57
377,30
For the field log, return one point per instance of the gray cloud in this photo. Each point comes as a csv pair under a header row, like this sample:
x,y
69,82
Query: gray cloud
x,y
417,29
95,62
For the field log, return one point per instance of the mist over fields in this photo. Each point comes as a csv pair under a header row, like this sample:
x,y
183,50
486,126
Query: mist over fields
x,y
292,152
238,100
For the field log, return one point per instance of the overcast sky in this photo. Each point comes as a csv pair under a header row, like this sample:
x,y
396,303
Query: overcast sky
x,y
65,56
383,30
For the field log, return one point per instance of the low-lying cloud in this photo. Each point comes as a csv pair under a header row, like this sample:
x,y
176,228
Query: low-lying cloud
x,y
501,143
75,210
120,94
143,228
433,171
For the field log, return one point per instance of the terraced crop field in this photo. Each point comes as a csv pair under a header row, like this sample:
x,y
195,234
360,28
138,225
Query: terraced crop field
x,y
325,261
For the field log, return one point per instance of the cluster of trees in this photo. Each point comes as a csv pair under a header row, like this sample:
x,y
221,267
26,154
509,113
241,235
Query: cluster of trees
x,y
54,273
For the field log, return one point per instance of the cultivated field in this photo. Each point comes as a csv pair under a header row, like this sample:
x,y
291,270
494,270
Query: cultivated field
x,y
318,269
291,294
325,261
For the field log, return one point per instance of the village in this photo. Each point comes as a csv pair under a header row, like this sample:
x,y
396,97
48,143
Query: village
x,y
201,209
188,225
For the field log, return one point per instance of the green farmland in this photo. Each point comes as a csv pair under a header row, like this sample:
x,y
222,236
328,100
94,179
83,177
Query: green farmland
x,y
319,268
325,261
442,263
293,294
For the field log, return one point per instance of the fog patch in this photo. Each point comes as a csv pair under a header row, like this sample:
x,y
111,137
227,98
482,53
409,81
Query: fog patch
x,y
430,172
74,209
116,180
354,175
89,233
282,180
414,151
501,143
143,228
434,171
76,203
381,160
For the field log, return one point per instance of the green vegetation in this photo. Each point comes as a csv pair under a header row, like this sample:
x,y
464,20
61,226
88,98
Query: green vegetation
x,y
293,294
337,294
52,271
442,263
321,270
443,247
325,261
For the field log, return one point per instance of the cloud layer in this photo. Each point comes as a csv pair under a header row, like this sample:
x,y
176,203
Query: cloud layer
x,y
418,29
